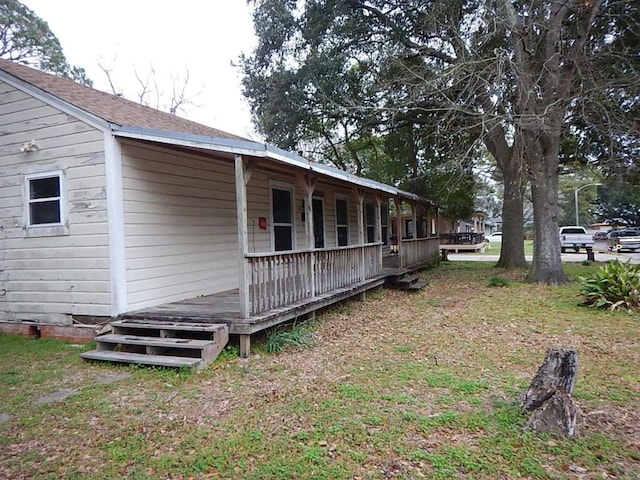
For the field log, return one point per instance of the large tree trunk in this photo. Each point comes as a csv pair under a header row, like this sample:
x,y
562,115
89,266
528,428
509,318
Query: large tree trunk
x,y
547,263
512,247
509,161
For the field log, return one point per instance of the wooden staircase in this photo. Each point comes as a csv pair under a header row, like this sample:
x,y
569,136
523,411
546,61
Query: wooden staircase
x,y
408,282
166,344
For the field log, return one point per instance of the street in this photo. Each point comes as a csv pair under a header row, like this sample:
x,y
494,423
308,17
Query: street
x,y
600,254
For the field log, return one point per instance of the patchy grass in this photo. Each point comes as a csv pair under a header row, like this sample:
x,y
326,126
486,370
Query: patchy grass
x,y
498,282
297,335
402,386
494,248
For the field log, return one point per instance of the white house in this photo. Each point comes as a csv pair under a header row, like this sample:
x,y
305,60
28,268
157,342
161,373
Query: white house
x,y
110,208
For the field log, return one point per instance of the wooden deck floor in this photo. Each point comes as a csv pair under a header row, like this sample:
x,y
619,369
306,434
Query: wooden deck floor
x,y
224,307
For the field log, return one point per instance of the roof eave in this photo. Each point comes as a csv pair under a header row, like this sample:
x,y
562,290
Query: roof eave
x,y
258,150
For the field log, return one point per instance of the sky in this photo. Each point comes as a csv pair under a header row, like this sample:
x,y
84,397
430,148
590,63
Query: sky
x,y
203,37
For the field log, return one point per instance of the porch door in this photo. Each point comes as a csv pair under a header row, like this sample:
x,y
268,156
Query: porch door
x,y
318,222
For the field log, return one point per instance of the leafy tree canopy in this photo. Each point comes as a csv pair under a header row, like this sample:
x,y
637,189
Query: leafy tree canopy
x,y
444,76
27,39
619,203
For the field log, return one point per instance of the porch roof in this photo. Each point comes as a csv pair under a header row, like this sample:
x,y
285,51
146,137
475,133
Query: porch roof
x,y
254,149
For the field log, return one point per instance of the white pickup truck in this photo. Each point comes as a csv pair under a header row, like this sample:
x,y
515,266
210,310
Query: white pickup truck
x,y
574,237
627,239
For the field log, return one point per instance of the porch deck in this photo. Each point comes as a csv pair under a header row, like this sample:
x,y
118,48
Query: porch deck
x,y
287,285
224,307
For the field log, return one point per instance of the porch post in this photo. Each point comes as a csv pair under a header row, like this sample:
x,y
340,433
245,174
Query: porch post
x,y
309,185
414,218
360,194
399,227
243,242
378,234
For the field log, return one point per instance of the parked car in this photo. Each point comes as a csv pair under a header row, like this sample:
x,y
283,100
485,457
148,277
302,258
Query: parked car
x,y
574,237
495,237
626,239
600,235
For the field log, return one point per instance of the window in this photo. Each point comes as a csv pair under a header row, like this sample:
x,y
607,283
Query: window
x,y
370,222
281,208
342,222
44,199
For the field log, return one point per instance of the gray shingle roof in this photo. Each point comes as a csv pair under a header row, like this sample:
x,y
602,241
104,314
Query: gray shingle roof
x,y
110,108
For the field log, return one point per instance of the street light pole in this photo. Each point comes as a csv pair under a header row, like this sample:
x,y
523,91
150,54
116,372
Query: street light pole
x,y
575,194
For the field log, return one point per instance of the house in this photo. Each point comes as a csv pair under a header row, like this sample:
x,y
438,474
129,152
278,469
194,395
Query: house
x,y
463,234
111,209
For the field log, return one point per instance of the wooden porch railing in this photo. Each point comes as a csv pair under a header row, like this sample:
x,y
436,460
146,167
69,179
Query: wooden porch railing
x,y
461,238
283,278
416,251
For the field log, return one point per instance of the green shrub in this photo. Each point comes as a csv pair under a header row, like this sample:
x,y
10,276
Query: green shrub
x,y
298,335
614,286
498,282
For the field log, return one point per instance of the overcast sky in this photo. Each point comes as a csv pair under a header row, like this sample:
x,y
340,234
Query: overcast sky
x,y
201,36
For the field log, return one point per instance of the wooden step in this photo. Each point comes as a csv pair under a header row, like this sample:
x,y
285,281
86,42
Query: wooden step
x,y
182,343
202,331
419,285
141,358
150,324
407,280
154,341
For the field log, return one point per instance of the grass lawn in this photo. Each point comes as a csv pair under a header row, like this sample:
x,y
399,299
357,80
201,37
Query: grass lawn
x,y
405,386
494,248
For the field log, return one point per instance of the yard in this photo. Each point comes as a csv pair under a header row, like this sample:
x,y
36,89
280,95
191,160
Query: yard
x,y
404,385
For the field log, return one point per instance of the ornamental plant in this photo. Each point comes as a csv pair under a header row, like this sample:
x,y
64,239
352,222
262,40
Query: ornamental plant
x,y
615,286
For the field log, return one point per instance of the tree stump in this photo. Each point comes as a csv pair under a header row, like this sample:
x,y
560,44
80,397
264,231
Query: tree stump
x,y
549,395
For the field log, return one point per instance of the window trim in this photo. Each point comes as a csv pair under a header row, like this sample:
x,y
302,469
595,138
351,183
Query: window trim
x,y
59,174
276,185
344,198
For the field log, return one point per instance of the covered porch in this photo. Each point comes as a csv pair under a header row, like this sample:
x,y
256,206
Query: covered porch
x,y
280,289
276,237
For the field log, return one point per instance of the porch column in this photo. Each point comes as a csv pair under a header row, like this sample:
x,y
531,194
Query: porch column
x,y
360,194
309,186
399,226
414,218
378,234
244,279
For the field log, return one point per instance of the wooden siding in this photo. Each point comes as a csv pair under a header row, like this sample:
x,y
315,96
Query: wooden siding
x,y
180,225
258,205
50,278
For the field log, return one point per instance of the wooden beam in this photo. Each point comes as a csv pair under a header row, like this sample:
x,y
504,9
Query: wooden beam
x,y
245,345
249,167
399,228
244,278
415,220
360,196
309,185
378,214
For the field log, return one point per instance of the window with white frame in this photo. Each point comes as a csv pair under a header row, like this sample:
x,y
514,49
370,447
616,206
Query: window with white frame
x,y
282,217
44,199
342,221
